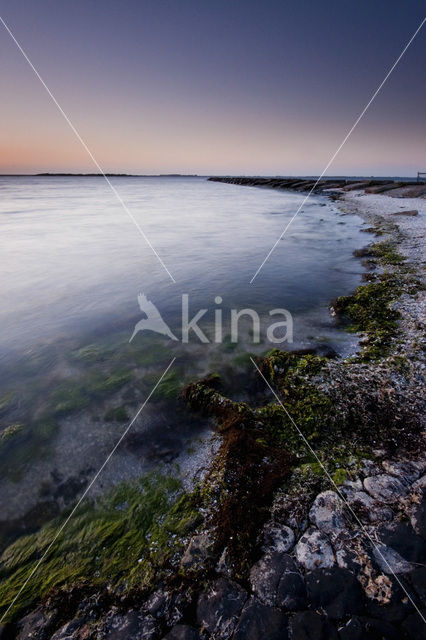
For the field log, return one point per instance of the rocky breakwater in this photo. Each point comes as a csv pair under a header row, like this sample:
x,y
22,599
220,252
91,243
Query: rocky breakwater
x,y
390,187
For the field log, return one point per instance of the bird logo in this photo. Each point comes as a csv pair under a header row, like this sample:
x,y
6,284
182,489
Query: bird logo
x,y
153,320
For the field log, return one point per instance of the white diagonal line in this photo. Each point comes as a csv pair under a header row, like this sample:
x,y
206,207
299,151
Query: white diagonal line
x,y
345,139
92,157
306,442
86,491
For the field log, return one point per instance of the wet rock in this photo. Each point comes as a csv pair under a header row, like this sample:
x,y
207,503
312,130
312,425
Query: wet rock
x,y
218,610
266,574
129,625
385,488
336,591
258,621
291,592
157,603
309,625
35,625
277,537
368,509
404,471
419,484
327,512
66,632
197,552
314,550
389,560
182,632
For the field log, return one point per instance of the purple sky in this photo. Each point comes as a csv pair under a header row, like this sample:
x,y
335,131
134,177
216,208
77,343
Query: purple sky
x,y
213,87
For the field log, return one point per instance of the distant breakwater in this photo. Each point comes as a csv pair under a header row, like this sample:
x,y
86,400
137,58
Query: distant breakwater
x,y
408,189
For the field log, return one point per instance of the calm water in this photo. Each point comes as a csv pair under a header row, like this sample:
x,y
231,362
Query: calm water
x,y
72,267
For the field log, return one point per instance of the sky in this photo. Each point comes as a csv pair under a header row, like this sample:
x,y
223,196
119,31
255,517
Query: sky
x,y
265,87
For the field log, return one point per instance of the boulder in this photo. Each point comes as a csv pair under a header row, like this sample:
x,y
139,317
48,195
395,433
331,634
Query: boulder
x,y
266,574
404,471
129,625
385,488
411,212
277,537
258,621
314,550
327,512
182,632
309,625
218,609
336,591
368,509
389,560
291,592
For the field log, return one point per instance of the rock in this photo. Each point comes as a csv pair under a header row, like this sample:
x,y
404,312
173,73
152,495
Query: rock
x,y
418,581
309,625
266,574
277,537
182,632
418,518
410,212
336,591
401,537
414,626
368,509
291,592
327,512
197,552
404,471
419,484
218,610
156,603
398,605
35,625
385,488
361,628
259,621
66,632
129,625
314,550
389,560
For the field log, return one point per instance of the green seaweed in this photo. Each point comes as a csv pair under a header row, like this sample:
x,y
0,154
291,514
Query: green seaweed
x,y
117,414
120,541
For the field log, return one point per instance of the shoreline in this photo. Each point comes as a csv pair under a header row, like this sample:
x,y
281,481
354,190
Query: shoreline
x,y
361,415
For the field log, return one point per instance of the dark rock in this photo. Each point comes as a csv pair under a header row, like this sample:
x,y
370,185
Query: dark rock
x,y
401,537
309,625
399,605
415,626
418,518
291,592
182,632
218,609
65,633
129,625
336,591
417,579
411,212
35,625
368,509
404,471
259,621
266,574
368,629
